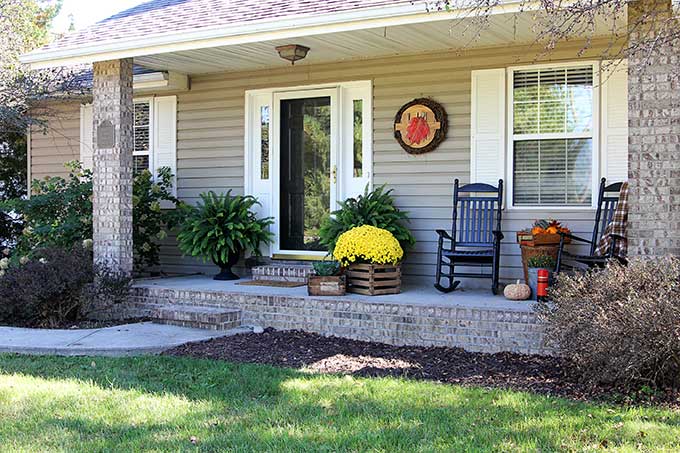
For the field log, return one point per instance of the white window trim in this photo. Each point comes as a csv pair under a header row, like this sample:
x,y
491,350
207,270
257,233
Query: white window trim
x,y
152,119
509,170
251,155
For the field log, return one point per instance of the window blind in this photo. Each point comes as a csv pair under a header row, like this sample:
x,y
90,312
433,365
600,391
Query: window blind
x,y
142,146
553,172
552,136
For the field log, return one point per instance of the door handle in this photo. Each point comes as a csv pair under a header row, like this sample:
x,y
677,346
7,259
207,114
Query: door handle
x,y
334,174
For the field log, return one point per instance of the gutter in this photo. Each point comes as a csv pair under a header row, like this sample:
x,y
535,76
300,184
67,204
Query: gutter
x,y
159,81
254,31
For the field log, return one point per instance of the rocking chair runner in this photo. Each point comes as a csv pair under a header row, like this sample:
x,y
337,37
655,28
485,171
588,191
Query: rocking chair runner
x,y
475,238
607,202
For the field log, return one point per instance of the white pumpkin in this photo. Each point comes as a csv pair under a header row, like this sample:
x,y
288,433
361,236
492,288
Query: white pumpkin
x,y
517,291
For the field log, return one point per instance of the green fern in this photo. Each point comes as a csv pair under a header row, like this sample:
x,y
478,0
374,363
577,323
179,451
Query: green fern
x,y
223,224
374,208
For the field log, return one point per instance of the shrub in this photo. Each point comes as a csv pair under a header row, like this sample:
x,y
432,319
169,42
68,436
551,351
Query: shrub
x,y
368,244
620,325
54,287
541,262
372,208
223,224
107,290
150,221
59,213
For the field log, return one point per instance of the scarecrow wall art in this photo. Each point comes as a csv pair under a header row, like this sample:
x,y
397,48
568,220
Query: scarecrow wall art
x,y
420,126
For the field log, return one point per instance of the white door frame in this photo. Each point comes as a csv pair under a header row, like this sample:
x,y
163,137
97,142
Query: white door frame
x,y
252,186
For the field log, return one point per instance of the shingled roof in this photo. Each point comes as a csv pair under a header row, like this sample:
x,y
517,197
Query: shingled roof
x,y
163,17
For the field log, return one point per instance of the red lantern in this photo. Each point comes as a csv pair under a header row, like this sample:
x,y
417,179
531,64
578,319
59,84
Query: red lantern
x,y
542,287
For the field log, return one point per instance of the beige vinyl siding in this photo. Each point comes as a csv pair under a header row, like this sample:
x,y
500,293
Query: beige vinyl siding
x,y
210,147
59,142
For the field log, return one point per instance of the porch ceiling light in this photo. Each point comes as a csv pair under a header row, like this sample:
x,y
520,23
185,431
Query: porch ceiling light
x,y
292,52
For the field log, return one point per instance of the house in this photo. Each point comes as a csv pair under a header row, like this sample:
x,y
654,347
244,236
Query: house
x,y
214,96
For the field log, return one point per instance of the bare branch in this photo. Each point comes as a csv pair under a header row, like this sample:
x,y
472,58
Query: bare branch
x,y
639,28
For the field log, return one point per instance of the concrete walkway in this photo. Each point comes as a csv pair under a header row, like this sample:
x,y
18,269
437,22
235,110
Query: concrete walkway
x,y
125,340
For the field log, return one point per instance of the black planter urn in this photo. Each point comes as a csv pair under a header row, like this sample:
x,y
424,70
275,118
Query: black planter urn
x,y
226,273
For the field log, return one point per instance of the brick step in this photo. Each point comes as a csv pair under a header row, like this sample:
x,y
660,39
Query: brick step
x,y
197,316
283,272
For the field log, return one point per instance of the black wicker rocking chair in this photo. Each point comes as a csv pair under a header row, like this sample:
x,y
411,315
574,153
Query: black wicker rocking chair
x,y
475,238
607,201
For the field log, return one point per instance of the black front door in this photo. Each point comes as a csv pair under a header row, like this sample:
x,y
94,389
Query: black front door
x,y
305,171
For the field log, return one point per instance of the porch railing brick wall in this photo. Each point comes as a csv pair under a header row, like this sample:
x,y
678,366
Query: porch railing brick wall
x,y
482,329
112,166
654,137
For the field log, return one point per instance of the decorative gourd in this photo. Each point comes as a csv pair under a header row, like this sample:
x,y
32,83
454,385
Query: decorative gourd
x,y
548,226
517,291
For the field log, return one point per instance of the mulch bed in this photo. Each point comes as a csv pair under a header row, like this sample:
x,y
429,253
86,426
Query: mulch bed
x,y
309,351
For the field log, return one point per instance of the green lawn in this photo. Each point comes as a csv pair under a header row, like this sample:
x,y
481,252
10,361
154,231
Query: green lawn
x,y
159,404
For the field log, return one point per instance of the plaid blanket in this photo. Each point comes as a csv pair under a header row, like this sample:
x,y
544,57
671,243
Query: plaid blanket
x,y
618,227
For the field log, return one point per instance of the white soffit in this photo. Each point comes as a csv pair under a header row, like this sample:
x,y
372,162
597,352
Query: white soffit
x,y
503,29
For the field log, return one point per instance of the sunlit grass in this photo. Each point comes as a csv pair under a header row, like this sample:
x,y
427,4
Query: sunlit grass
x,y
172,404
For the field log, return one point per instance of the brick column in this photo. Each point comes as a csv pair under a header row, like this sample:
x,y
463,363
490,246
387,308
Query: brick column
x,y
113,145
654,138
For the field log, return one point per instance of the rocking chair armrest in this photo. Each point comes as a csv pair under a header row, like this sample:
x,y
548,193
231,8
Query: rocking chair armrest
x,y
575,238
444,235
498,234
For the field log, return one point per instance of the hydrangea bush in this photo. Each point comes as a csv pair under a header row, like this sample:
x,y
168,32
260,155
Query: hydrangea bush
x,y
59,213
368,244
150,221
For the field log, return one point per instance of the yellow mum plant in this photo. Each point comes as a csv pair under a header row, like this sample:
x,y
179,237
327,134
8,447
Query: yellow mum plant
x,y
367,244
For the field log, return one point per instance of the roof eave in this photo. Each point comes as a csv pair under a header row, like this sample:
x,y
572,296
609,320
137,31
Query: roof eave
x,y
247,32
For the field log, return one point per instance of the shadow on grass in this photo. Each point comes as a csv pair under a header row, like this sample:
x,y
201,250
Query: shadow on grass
x,y
93,404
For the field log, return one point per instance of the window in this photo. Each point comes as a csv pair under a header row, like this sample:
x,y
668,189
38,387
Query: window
x,y
553,136
358,133
264,142
142,151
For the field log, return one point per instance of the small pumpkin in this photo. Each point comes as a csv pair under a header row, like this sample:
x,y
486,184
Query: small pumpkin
x,y
517,291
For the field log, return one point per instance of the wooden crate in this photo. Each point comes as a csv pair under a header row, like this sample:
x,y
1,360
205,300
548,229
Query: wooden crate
x,y
326,285
374,279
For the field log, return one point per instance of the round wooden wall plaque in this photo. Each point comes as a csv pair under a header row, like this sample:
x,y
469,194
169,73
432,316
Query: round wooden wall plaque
x,y
421,126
